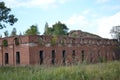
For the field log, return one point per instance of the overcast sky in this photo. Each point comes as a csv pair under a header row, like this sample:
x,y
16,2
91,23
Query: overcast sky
x,y
94,16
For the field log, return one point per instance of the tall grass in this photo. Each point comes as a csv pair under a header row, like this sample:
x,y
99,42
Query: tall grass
x,y
100,71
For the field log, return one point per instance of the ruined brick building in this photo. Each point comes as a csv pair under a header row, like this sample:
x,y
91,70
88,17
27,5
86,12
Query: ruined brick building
x,y
36,50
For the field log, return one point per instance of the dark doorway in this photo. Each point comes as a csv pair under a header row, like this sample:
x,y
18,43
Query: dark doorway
x,y
17,57
63,56
83,56
73,54
6,58
53,57
41,57
91,58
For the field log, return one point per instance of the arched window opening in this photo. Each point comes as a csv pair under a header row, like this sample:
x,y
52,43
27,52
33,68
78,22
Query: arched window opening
x,y
5,43
16,41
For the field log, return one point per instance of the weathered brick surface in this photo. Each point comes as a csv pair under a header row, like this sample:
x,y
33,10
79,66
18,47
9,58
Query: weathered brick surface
x,y
29,47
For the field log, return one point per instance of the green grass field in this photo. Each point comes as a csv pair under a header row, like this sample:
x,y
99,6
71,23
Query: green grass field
x,y
100,71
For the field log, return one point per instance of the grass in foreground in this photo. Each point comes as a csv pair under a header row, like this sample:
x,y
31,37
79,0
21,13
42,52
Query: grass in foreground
x,y
100,71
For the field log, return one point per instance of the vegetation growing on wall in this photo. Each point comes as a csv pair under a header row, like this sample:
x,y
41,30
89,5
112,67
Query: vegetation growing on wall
x,y
17,41
54,40
5,43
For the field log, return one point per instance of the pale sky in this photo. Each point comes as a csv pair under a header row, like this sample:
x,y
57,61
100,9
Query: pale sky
x,y
94,16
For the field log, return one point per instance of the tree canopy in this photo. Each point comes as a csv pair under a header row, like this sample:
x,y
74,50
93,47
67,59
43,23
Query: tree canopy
x,y
58,29
46,29
14,32
33,30
5,16
115,32
6,34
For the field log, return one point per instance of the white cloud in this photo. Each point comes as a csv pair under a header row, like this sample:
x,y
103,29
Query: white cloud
x,y
76,20
105,24
34,3
99,26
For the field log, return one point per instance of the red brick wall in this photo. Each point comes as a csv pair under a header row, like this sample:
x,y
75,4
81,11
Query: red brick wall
x,y
11,49
30,47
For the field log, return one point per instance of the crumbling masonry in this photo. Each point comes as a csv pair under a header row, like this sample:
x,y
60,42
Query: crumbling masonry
x,y
37,50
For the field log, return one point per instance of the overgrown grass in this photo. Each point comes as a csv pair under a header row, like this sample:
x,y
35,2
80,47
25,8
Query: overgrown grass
x,y
100,71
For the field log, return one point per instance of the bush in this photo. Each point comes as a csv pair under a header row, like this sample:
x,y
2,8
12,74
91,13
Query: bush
x,y
5,43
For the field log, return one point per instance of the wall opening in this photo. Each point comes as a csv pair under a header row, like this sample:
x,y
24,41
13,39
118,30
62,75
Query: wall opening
x,y
5,43
91,58
106,56
100,59
53,57
17,57
63,56
6,58
83,55
73,54
41,56
16,41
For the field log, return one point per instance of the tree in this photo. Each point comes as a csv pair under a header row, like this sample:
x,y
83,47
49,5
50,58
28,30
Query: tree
x,y
5,16
14,32
6,33
57,29
32,31
46,29
60,29
115,32
20,34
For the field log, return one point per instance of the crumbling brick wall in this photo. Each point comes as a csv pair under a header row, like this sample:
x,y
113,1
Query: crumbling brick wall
x,y
35,50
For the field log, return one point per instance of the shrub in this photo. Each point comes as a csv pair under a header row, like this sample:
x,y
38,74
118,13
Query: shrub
x,y
5,43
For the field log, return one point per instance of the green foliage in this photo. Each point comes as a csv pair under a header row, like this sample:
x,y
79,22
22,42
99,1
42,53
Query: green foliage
x,y
100,59
47,29
5,17
14,32
101,71
5,43
60,29
40,40
17,41
32,31
6,33
54,40
57,29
